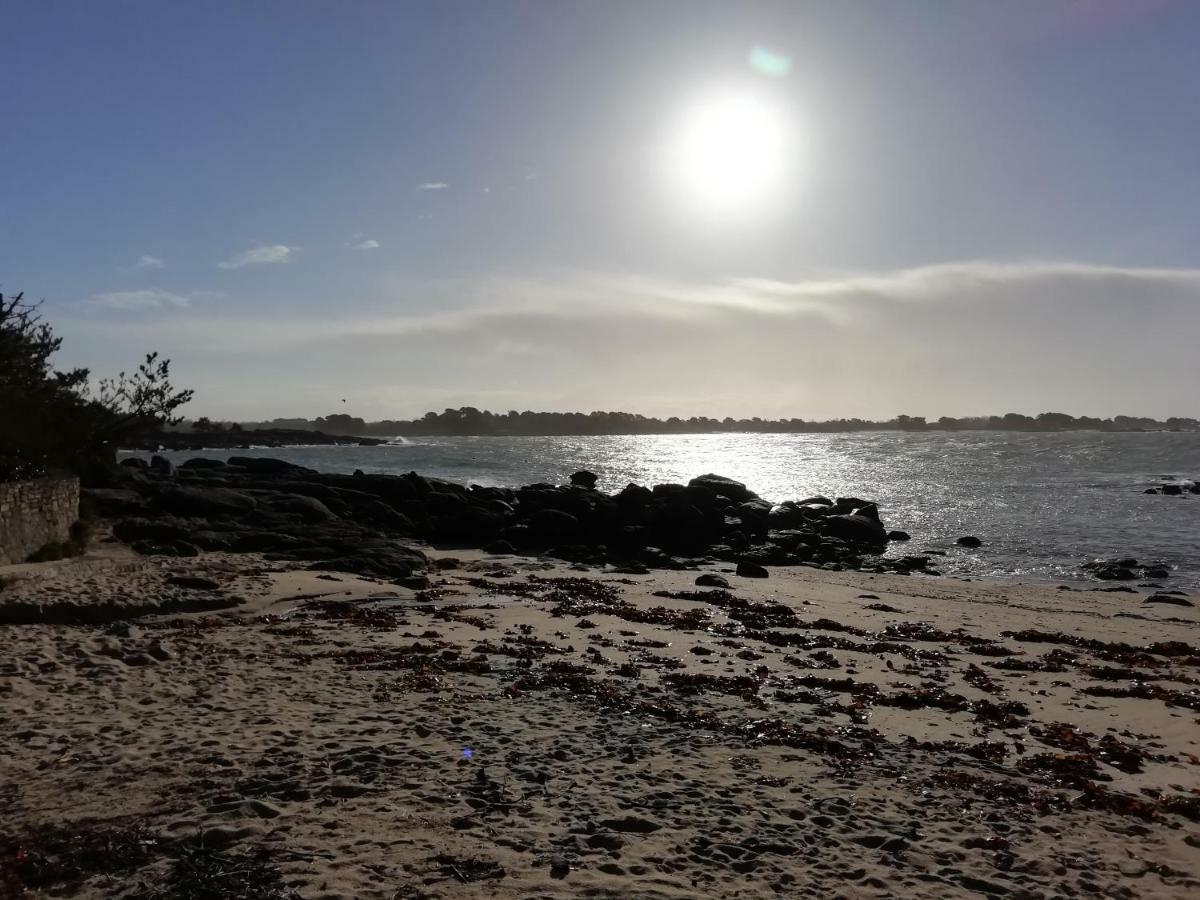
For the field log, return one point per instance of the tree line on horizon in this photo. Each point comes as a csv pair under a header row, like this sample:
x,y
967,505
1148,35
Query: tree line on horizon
x,y
469,421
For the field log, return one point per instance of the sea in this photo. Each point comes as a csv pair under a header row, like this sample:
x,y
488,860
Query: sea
x,y
1041,503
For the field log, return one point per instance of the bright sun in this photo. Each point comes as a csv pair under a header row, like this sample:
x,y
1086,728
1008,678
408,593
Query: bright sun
x,y
728,154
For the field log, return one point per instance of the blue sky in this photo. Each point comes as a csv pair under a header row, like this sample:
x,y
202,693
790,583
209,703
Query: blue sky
x,y
999,204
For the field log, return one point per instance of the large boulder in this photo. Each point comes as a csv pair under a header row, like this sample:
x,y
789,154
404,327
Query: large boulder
x,y
113,502
584,479
726,487
265,465
309,509
854,529
203,462
553,524
158,530
390,561
189,500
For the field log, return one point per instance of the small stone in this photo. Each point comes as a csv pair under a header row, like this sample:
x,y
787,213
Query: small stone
x,y
751,570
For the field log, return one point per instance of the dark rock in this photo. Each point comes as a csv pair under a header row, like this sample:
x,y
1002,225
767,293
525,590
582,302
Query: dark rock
x,y
161,465
193,583
111,502
1156,572
631,568
710,580
725,487
584,479
165,548
969,541
309,509
187,500
854,529
552,523
135,462
1112,569
898,536
751,570
263,465
140,529
815,501
1168,598
1172,490
201,462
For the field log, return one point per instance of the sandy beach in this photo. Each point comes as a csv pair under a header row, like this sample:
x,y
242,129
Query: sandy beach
x,y
528,728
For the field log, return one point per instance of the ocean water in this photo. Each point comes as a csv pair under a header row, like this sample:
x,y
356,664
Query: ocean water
x,y
1041,503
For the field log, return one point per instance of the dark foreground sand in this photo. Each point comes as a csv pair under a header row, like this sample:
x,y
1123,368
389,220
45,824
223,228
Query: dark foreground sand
x,y
793,738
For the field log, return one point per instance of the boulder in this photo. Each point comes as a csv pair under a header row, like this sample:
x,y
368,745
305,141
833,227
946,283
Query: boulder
x,y
726,487
898,536
584,479
309,509
854,529
1172,490
969,541
264,465
158,530
713,581
552,523
189,500
754,512
392,562
203,462
112,502
751,570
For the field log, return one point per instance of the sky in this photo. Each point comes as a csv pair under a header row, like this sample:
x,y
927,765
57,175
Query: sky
x,y
932,208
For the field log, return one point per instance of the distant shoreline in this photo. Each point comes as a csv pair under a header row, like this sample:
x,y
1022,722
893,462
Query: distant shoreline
x,y
275,438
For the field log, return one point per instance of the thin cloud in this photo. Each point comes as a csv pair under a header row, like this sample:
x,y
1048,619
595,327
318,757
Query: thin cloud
x,y
144,299
149,262
368,244
824,345
433,186
262,254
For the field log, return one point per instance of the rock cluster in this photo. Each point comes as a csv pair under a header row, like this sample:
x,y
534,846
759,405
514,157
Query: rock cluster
x,y
1173,488
351,522
1125,569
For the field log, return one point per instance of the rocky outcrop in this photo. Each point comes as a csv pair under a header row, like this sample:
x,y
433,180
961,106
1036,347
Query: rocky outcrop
x,y
359,523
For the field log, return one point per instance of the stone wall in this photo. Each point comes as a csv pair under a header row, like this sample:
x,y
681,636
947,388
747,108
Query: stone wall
x,y
35,513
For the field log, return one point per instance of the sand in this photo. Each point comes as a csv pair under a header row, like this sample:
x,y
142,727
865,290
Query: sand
x,y
322,735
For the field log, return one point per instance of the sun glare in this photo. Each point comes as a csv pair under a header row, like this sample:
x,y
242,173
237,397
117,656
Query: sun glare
x,y
728,155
